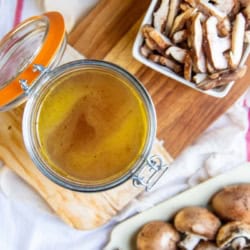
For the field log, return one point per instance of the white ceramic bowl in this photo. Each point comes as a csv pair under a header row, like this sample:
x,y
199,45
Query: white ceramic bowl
x,y
217,92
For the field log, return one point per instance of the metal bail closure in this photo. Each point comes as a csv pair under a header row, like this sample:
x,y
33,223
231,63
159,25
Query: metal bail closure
x,y
40,68
150,173
36,68
24,85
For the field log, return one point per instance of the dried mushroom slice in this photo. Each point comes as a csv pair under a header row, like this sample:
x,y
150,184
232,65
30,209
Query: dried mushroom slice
x,y
237,41
208,8
166,62
247,37
216,45
181,20
160,40
160,16
199,77
216,75
173,10
234,235
224,27
184,6
180,36
225,6
188,67
210,67
244,3
192,3
235,10
145,51
223,79
197,44
246,13
153,46
178,54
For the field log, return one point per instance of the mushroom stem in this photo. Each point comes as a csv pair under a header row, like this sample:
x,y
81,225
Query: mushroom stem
x,y
239,243
190,241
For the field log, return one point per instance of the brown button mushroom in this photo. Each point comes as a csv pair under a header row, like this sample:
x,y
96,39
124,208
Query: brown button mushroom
x,y
197,223
233,203
157,235
206,245
234,235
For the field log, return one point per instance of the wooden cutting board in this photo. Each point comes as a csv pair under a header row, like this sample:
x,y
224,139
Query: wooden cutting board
x,y
108,32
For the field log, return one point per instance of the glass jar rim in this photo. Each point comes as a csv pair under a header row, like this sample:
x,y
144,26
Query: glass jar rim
x,y
28,121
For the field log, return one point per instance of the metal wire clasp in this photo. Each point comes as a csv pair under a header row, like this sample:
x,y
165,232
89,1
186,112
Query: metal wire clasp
x,y
149,174
24,83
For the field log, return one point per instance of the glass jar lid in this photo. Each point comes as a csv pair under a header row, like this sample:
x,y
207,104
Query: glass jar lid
x,y
39,40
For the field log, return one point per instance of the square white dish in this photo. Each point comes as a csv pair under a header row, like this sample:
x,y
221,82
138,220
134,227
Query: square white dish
x,y
217,92
123,235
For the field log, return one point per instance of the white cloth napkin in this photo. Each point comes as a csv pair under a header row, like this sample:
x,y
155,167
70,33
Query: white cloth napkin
x,y
27,223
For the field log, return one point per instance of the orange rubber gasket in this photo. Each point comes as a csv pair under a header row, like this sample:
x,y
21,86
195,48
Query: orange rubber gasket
x,y
49,49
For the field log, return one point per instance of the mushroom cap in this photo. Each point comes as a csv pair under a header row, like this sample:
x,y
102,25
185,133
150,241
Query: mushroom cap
x,y
233,203
206,245
232,231
197,220
157,235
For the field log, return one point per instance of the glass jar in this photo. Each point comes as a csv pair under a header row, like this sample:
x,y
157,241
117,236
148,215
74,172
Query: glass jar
x,y
29,55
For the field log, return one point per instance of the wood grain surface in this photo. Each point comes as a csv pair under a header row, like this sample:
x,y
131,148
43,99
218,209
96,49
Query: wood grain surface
x,y
80,210
108,32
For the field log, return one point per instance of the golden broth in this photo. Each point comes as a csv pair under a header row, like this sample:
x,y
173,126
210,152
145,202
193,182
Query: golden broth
x,y
92,126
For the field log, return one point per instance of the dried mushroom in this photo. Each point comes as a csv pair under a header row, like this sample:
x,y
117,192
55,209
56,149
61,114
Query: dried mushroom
x,y
180,36
165,62
224,27
211,9
233,203
188,67
197,223
178,54
160,16
145,51
246,13
216,45
159,39
222,78
173,10
212,35
200,77
234,235
237,41
247,37
157,235
225,6
197,44
181,20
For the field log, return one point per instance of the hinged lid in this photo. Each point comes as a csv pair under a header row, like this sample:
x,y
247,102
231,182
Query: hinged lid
x,y
39,40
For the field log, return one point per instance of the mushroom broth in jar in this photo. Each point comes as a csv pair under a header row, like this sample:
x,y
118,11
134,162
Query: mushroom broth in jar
x,y
91,125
